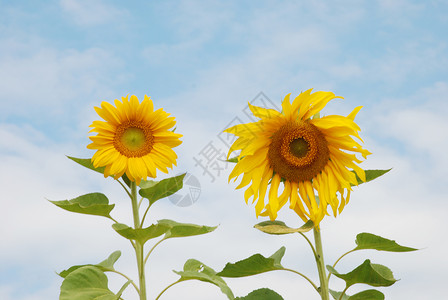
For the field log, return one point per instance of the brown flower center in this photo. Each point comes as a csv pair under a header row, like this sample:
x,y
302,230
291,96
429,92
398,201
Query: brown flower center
x,y
298,151
133,139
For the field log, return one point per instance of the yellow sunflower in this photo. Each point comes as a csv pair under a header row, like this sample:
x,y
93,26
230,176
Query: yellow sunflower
x,y
309,154
133,139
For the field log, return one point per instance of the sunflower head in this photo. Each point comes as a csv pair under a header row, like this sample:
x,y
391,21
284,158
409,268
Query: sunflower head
x,y
314,157
134,139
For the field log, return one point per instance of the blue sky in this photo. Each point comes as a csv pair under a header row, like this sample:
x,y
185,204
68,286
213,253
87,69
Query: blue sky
x,y
203,61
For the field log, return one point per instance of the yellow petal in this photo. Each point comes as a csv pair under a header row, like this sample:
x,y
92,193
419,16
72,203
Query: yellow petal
x,y
320,99
353,114
286,106
267,175
263,113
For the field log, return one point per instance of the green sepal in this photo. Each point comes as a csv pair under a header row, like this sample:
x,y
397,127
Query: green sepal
x,y
370,241
261,294
233,159
194,269
105,266
140,234
256,264
364,295
368,273
90,204
155,190
371,175
126,180
184,229
87,282
279,227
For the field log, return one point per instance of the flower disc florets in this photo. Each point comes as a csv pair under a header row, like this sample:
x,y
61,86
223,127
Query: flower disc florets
x,y
133,139
298,151
309,154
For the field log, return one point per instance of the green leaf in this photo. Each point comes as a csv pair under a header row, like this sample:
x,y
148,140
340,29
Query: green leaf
x,y
85,283
279,227
368,295
364,295
144,184
161,189
371,175
261,294
194,269
184,229
105,265
253,265
87,162
371,274
140,234
108,263
337,295
370,241
91,204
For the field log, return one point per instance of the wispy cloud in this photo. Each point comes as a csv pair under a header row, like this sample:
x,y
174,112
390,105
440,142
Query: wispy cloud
x,y
224,54
91,13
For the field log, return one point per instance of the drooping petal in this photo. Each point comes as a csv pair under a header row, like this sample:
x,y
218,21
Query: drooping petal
x,y
313,157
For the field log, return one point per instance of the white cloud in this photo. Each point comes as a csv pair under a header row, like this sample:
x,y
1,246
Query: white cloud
x,y
283,49
411,60
61,239
400,6
198,19
47,80
419,123
91,12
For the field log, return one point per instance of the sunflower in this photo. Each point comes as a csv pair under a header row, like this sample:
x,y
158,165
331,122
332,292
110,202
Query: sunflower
x,y
310,155
133,139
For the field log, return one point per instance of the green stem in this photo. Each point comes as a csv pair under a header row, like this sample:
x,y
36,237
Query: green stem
x,y
311,244
334,265
152,249
343,293
324,292
144,215
113,219
138,245
119,273
164,290
298,273
125,188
